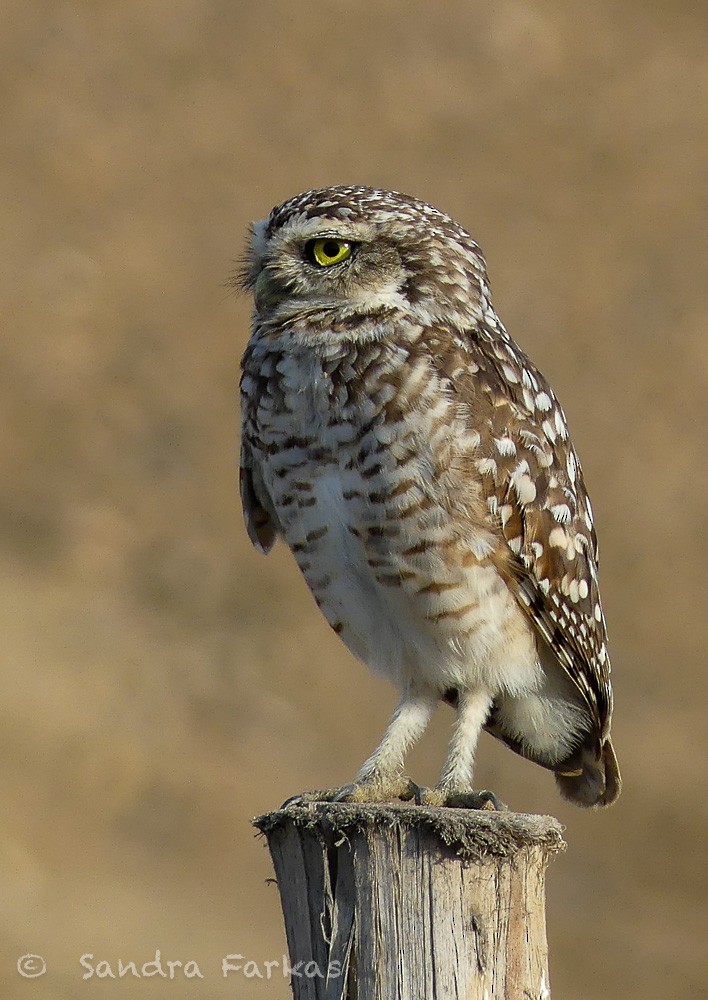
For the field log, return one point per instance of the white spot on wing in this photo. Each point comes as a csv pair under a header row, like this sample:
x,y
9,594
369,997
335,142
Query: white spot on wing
x,y
561,512
571,466
560,425
525,489
505,513
505,446
548,430
588,513
487,466
558,538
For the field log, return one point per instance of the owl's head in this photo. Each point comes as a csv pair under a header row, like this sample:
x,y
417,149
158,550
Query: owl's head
x,y
338,254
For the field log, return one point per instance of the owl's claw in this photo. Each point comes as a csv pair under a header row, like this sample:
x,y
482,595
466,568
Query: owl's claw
x,y
404,790
346,793
382,790
302,798
388,789
455,798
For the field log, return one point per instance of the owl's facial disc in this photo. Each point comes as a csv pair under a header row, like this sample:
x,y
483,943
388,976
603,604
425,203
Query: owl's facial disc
x,y
327,256
326,264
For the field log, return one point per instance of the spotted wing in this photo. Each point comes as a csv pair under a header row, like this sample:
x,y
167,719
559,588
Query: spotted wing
x,y
536,496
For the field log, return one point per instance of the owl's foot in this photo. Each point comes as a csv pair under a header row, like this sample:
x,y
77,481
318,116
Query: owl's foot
x,y
457,798
389,788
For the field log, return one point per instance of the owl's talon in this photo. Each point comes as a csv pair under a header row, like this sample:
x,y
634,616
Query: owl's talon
x,y
487,800
378,789
410,791
453,798
303,798
345,793
397,788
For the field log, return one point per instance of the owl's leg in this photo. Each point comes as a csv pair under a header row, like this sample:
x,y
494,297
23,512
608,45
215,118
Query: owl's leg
x,y
381,777
384,768
455,785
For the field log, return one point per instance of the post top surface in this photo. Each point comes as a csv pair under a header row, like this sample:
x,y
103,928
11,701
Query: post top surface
x,y
470,833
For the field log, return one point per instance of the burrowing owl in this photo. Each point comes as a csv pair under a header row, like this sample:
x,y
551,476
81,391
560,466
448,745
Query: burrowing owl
x,y
419,467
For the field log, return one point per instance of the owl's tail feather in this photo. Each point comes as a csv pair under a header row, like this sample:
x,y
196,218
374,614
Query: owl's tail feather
x,y
593,780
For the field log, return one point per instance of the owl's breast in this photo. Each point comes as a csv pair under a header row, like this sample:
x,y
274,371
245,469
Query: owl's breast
x,y
382,509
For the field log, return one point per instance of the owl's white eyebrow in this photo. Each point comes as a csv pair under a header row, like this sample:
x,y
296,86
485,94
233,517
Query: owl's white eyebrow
x,y
331,234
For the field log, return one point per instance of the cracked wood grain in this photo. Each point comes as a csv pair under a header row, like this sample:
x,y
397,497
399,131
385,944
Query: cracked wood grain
x,y
402,902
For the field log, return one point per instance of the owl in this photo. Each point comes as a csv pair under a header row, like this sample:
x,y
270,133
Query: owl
x,y
419,468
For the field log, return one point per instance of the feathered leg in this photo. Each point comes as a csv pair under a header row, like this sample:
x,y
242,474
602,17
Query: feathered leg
x,y
455,785
381,777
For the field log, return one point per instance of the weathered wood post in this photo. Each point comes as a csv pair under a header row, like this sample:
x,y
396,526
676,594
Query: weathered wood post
x,y
403,902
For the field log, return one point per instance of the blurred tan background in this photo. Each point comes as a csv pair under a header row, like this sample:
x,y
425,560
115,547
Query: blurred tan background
x,y
161,682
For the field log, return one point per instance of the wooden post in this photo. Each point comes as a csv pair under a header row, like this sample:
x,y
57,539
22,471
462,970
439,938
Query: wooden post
x,y
403,902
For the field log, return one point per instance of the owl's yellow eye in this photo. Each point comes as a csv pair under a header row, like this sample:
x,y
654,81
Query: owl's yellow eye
x,y
327,252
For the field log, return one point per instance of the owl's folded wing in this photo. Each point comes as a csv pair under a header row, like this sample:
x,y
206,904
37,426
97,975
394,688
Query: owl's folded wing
x,y
259,524
536,497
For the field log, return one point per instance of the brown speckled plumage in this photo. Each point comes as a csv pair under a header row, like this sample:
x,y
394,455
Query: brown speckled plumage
x,y
420,469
